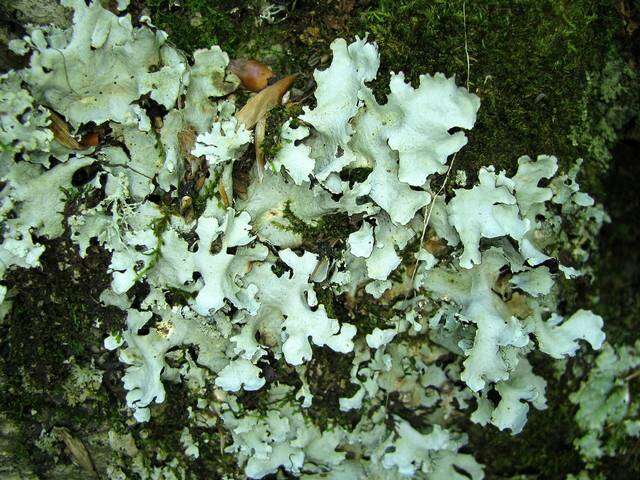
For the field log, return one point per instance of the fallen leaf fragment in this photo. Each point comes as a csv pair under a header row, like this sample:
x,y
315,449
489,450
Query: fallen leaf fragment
x,y
77,450
261,103
223,194
261,129
253,75
187,138
61,133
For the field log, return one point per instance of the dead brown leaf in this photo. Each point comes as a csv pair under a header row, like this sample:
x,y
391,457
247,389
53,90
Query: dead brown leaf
x,y
77,450
261,129
241,180
518,305
435,246
253,75
223,194
61,132
258,105
187,139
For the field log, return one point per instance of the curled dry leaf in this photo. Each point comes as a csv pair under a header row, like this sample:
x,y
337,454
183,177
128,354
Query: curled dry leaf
x,y
261,129
253,75
261,103
77,450
187,138
223,194
518,306
61,132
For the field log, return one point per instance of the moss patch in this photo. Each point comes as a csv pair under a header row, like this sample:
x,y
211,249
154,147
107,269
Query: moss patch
x,y
52,326
544,448
617,286
529,62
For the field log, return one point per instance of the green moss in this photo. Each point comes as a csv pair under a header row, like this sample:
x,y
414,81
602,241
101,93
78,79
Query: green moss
x,y
610,102
52,326
275,119
209,190
529,62
159,226
544,449
175,296
329,379
327,236
197,24
236,27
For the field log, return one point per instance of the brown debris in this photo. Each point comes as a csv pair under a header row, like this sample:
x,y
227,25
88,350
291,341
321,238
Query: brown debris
x,y
253,75
258,105
261,129
90,139
223,194
187,139
61,133
76,450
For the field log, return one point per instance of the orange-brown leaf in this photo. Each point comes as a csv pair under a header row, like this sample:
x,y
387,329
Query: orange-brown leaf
x,y
61,133
77,450
223,194
253,75
261,103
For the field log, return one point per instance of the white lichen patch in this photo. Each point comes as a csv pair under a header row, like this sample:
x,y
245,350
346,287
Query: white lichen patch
x,y
237,284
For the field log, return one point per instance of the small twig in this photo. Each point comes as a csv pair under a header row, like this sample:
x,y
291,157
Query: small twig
x,y
430,205
446,178
64,65
632,375
101,162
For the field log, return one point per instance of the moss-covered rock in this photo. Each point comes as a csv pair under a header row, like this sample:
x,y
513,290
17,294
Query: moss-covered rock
x,y
553,77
